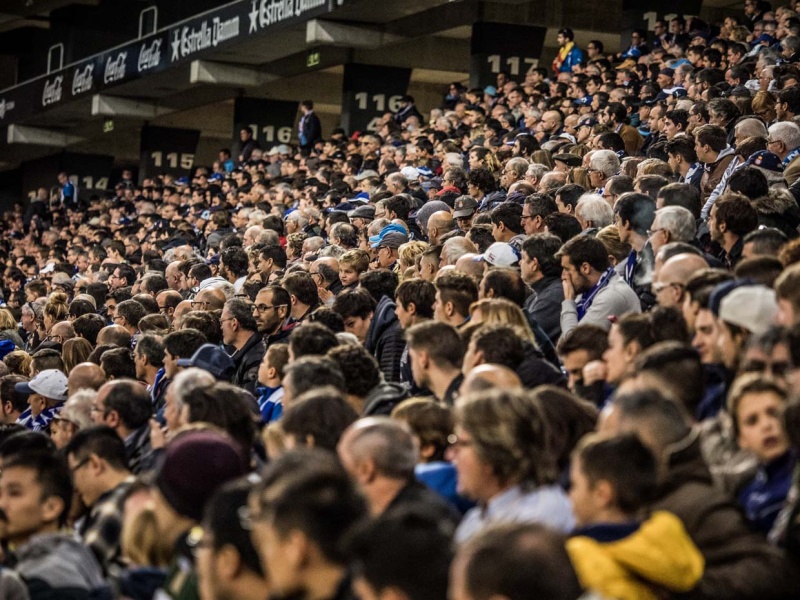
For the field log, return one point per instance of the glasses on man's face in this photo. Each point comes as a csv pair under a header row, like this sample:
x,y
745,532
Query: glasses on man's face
x,y
54,338
83,463
201,304
262,308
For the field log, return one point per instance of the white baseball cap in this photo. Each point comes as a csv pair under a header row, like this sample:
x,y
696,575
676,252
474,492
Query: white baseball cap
x,y
50,383
499,254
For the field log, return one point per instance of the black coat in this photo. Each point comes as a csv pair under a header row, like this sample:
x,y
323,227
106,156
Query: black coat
x,y
247,361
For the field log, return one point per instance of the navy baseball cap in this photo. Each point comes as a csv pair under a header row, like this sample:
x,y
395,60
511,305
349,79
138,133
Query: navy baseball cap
x,y
213,359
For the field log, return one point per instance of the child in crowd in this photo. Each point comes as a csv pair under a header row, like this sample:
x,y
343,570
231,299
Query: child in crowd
x,y
270,375
756,404
614,551
351,265
432,423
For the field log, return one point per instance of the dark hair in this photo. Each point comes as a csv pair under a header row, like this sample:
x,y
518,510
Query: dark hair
x,y
591,338
679,117
570,194
126,272
131,402
392,551
117,363
312,339
301,285
500,345
379,283
562,225
52,474
766,241
400,205
439,340
584,249
276,253
321,413
151,347
651,184
519,561
458,288
102,441
482,179
737,212
311,372
626,463
359,368
541,205
227,407
328,317
713,136
681,194
354,303
241,311
235,260
207,323
184,343
750,182
508,214
680,365
308,490
543,247
504,282
132,311
419,292
8,393
222,520
637,209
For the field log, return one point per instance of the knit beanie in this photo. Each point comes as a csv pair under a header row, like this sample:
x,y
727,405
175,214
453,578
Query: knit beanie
x,y
195,464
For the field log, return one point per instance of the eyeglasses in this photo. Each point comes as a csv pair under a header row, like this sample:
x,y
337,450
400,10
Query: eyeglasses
x,y
650,232
456,443
260,308
54,338
221,321
83,463
657,288
195,303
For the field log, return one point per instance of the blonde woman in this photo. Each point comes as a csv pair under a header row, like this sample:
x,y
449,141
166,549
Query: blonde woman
x,y
580,176
55,310
500,310
407,254
74,352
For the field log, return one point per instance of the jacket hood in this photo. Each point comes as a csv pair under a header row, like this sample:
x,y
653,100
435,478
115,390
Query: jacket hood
x,y
382,319
383,398
659,552
61,561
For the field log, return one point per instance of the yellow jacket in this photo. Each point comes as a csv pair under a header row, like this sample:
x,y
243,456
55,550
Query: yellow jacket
x,y
657,555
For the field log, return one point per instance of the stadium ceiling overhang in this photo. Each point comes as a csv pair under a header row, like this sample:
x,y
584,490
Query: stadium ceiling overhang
x,y
204,59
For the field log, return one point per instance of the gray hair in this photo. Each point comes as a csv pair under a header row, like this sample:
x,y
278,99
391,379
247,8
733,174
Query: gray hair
x,y
315,242
518,165
187,382
268,237
605,161
536,170
594,208
786,132
455,248
679,221
298,217
751,128
332,251
388,442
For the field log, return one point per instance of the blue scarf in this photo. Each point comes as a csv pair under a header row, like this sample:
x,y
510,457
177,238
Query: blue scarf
x,y
630,268
791,156
586,300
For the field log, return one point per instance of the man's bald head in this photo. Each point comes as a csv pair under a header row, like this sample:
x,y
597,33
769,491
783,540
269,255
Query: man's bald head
x,y
214,296
184,307
388,443
85,376
474,268
442,220
63,329
114,334
489,376
679,268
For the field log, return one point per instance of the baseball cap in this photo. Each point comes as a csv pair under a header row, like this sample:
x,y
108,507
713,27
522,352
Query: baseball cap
x,y
211,358
214,260
567,136
499,254
182,181
6,347
585,101
273,151
667,71
766,160
48,269
464,206
50,383
751,307
427,209
587,122
216,177
410,173
392,239
490,90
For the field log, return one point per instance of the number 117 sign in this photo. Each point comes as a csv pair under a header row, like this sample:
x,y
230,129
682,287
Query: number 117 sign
x,y
499,47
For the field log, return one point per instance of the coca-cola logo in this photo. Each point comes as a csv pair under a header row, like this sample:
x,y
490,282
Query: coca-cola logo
x,y
83,79
53,90
115,69
149,56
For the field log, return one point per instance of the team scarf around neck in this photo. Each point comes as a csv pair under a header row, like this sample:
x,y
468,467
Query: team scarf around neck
x,y
586,300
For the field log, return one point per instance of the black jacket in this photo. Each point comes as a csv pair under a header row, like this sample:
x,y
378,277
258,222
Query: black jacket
x,y
535,370
385,339
247,360
310,129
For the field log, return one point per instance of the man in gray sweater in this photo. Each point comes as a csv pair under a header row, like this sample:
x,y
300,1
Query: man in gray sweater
x,y
593,291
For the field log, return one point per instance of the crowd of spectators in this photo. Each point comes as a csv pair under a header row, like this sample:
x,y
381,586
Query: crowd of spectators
x,y
543,342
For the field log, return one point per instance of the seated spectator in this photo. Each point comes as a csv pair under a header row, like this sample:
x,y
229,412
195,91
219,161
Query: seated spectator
x,y
503,463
